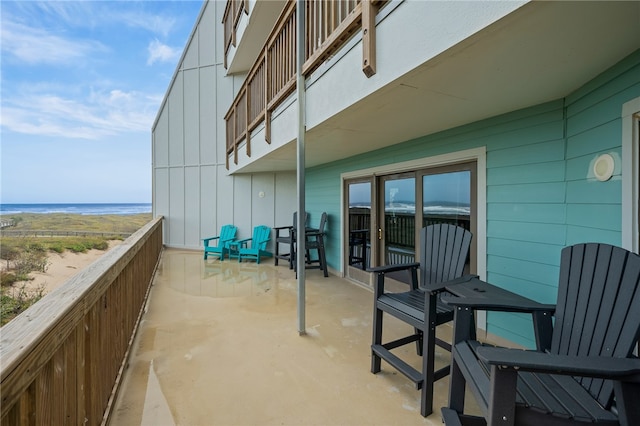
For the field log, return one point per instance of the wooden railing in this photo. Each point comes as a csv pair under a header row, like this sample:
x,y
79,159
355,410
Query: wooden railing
x,y
62,358
232,13
329,24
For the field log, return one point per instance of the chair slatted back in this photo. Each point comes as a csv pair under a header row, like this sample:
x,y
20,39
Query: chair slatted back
x,y
444,250
227,233
598,307
323,222
261,236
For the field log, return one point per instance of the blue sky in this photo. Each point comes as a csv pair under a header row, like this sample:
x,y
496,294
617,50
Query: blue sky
x,y
81,83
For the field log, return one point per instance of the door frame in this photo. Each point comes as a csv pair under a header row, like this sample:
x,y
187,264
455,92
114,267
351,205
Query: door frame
x,y
630,174
475,154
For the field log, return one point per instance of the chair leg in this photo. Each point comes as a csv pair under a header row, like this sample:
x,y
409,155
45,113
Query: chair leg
x,y
464,327
428,356
323,257
377,340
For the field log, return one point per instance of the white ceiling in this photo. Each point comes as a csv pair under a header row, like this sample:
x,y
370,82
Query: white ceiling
x,y
542,52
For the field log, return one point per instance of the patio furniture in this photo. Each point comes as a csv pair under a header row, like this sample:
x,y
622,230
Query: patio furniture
x,y
358,247
286,235
583,371
315,241
443,252
227,234
254,247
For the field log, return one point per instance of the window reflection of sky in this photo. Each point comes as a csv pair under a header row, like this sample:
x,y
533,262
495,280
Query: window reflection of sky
x,y
452,189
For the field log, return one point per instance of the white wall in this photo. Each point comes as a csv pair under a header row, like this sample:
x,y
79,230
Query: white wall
x,y
191,185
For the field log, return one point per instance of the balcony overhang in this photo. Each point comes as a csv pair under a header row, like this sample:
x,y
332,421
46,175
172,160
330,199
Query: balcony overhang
x,y
253,29
541,52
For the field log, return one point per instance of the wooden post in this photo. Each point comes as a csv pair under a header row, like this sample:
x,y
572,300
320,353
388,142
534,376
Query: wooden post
x,y
368,38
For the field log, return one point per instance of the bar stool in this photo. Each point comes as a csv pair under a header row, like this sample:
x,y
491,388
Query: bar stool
x,y
288,237
315,241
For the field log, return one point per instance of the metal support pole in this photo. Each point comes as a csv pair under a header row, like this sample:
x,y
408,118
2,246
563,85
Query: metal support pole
x,y
301,238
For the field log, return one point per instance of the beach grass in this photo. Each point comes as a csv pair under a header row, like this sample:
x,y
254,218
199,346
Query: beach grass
x,y
23,250
77,222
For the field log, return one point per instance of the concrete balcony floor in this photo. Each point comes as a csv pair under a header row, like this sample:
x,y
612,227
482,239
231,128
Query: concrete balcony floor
x,y
218,345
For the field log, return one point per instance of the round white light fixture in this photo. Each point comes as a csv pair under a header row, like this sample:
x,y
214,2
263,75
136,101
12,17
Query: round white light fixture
x,y
603,167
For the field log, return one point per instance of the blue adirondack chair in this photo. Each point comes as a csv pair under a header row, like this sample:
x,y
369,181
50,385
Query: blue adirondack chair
x,y
227,235
253,248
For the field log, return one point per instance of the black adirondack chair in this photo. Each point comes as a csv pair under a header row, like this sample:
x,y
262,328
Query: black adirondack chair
x,y
584,370
443,252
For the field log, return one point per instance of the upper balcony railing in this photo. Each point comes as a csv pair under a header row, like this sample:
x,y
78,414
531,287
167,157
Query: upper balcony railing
x,y
232,13
272,78
62,359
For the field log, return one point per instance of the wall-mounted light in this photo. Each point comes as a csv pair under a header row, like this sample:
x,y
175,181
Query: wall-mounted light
x,y
603,167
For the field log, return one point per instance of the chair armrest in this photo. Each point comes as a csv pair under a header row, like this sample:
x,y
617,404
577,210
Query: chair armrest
x,y
502,304
206,240
393,268
622,369
283,228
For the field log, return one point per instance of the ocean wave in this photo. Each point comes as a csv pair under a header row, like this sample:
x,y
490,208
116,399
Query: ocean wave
x,y
78,208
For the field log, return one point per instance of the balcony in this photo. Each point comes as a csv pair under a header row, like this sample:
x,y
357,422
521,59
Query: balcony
x,y
213,343
430,67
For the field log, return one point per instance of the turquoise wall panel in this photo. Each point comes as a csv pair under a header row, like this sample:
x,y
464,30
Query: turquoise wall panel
x,y
525,270
602,138
546,131
529,154
546,192
582,234
548,254
594,192
527,212
532,232
597,216
552,171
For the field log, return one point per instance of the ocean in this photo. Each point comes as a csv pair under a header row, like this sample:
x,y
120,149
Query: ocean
x,y
77,208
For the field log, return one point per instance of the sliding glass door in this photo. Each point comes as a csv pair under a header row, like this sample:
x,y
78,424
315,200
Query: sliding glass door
x,y
386,212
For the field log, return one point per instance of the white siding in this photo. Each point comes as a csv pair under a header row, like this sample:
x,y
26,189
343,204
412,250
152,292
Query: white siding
x,y
192,207
192,187
191,57
191,117
207,38
208,116
176,122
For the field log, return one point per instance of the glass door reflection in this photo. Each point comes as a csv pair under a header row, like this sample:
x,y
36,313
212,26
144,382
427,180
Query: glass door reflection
x,y
359,225
399,226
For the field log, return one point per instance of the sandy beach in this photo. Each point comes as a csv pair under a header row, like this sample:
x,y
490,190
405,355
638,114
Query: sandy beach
x,y
63,266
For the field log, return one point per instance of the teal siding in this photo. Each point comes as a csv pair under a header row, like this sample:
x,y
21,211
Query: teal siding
x,y
540,194
527,212
593,216
529,251
554,171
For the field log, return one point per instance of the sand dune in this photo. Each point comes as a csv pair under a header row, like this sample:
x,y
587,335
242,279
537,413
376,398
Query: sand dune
x,y
63,266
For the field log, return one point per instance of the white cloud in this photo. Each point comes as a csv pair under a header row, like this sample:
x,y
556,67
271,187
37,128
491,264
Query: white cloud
x,y
161,52
37,46
102,114
155,24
